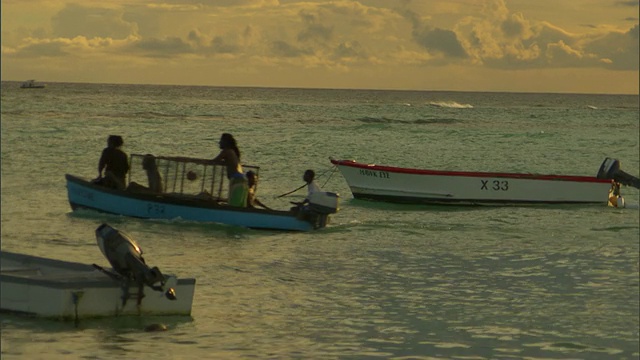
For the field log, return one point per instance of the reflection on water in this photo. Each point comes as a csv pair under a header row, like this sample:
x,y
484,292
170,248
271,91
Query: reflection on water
x,y
383,280
461,284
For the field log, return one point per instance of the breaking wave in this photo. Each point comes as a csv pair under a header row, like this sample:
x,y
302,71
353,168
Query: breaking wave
x,y
451,104
420,121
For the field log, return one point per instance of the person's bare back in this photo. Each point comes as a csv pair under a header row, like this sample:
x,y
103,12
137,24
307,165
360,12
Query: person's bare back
x,y
229,158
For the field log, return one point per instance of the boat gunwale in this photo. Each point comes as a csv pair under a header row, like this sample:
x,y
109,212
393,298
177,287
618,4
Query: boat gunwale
x,y
33,263
523,176
176,199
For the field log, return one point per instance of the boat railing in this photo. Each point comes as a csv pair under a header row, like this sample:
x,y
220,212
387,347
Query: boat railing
x,y
185,176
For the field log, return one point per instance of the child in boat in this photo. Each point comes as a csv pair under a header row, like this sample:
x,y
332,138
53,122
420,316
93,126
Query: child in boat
x,y
252,200
153,177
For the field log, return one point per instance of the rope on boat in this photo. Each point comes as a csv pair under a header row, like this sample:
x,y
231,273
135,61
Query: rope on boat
x,y
332,169
291,192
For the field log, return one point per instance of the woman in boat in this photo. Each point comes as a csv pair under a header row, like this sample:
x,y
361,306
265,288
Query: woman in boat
x,y
252,200
115,164
230,156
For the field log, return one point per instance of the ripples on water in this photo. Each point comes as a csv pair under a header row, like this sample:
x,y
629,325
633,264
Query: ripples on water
x,y
385,280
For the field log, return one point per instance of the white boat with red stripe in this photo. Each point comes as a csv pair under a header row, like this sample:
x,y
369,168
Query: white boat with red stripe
x,y
410,185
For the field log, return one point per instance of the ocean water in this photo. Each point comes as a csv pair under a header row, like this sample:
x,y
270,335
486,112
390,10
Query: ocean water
x,y
383,280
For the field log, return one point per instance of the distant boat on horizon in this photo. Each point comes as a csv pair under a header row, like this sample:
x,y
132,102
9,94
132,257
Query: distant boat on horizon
x,y
32,84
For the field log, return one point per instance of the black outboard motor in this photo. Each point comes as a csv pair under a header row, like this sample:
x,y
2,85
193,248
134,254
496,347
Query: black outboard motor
x,y
610,169
321,204
125,256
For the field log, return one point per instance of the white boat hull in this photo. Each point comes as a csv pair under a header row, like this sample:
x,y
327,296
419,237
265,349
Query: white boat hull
x,y
72,291
386,183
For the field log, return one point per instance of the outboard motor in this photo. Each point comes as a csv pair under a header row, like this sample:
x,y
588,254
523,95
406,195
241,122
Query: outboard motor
x,y
125,256
610,169
324,202
321,204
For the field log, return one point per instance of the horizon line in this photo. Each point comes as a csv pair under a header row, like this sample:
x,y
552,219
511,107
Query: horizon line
x,y
329,88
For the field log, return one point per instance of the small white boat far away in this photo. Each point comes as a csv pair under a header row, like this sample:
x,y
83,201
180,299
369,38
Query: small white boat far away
x,y
32,84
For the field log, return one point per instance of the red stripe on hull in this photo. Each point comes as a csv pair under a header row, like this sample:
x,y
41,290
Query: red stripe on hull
x,y
392,169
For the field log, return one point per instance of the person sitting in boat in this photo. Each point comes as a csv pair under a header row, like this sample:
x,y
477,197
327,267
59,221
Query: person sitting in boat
x,y
115,164
230,156
153,176
252,200
309,178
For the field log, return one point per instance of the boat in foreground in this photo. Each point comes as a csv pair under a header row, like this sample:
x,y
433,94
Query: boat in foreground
x,y
193,190
66,290
408,185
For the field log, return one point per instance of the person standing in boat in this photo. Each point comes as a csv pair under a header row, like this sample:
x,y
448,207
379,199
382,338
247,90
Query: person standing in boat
x,y
115,164
230,156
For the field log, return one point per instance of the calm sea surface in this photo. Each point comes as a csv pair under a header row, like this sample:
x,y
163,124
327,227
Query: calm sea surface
x,y
383,281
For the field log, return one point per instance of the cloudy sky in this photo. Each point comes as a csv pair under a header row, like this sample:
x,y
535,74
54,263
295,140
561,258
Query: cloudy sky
x,y
581,46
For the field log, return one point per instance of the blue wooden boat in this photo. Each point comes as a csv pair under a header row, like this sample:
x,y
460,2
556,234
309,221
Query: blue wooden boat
x,y
192,190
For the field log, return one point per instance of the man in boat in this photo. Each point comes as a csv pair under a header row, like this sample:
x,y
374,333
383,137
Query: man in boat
x,y
230,156
115,164
312,187
309,177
